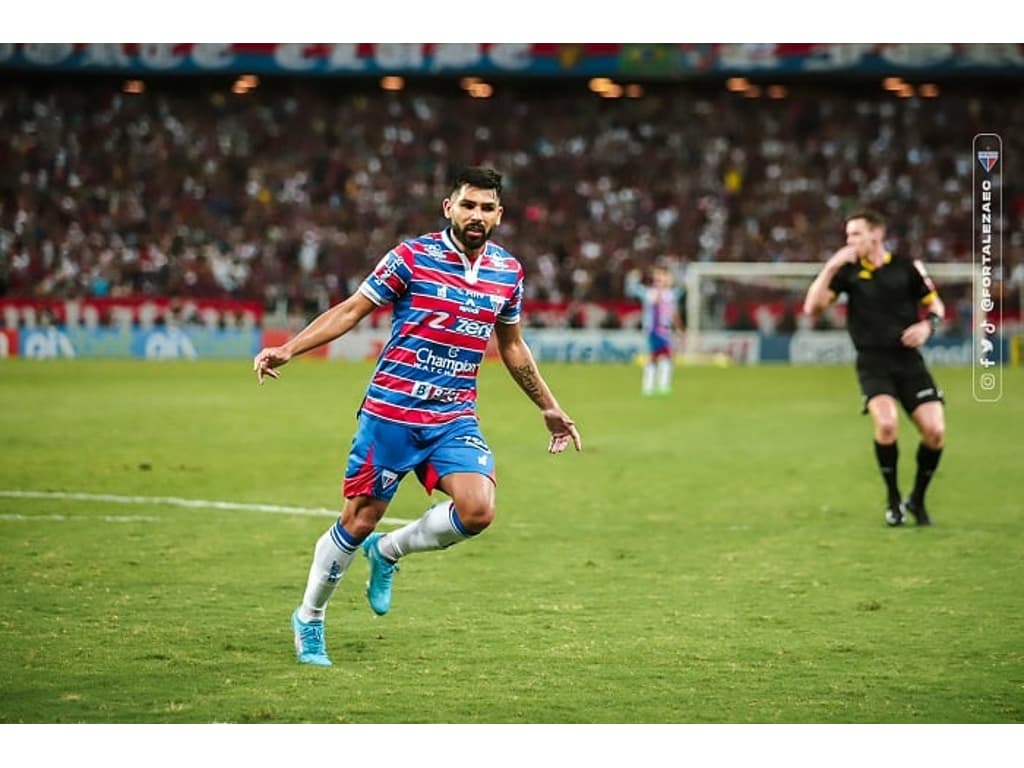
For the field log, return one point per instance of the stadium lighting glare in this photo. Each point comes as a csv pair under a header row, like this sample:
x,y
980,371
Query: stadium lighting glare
x,y
929,90
249,81
737,84
600,84
133,86
613,91
634,91
778,92
893,83
467,83
905,92
481,91
392,83
752,92
239,88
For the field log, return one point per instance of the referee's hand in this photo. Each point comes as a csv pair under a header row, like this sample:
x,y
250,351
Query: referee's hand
x,y
915,335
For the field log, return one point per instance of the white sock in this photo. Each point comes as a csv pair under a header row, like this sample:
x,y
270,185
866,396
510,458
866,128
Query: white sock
x,y
664,373
439,527
648,378
331,557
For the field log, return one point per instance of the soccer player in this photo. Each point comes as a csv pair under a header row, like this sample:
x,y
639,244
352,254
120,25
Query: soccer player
x,y
448,291
886,294
660,320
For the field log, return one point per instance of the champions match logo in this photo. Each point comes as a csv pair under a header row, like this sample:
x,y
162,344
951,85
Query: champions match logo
x,y
988,159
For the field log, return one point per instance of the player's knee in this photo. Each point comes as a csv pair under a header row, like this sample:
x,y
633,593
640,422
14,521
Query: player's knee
x,y
475,513
886,430
934,435
361,515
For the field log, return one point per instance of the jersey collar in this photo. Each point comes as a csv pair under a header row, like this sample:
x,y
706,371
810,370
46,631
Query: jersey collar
x,y
470,269
866,263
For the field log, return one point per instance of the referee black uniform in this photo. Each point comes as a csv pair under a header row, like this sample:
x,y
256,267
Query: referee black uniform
x,y
882,302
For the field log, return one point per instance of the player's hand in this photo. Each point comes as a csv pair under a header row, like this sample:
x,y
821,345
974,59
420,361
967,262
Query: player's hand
x,y
915,335
845,255
562,429
267,360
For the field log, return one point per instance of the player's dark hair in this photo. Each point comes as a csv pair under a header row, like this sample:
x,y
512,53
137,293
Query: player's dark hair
x,y
873,218
479,177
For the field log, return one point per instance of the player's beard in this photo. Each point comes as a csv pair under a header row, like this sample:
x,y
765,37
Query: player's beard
x,y
473,238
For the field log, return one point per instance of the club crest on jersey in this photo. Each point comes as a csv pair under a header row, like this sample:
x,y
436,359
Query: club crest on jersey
x,y
442,291
388,478
988,159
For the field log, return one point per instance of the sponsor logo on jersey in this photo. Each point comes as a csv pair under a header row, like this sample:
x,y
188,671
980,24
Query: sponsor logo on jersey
x,y
474,328
452,366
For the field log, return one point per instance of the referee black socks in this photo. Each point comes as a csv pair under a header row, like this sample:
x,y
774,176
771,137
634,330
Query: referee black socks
x,y
888,456
927,461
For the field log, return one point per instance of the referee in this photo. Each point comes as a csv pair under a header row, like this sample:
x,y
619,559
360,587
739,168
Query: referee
x,y
886,294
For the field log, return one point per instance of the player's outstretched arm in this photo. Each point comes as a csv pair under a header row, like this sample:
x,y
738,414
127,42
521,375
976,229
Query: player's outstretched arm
x,y
334,322
819,295
520,363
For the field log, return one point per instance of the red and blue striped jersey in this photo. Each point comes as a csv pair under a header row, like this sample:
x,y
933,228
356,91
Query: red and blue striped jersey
x,y
444,310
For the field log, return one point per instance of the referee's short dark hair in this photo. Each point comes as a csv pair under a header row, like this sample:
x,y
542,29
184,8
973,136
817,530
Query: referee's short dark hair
x,y
873,218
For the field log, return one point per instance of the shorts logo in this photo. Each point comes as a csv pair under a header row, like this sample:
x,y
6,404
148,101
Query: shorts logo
x,y
474,442
482,460
925,392
388,477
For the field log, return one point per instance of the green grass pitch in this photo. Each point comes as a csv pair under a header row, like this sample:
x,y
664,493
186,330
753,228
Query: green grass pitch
x,y
715,556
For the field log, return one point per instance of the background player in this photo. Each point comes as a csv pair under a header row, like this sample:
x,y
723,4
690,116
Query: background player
x,y
660,302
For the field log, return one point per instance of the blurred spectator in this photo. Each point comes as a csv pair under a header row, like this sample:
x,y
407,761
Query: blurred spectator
x,y
290,193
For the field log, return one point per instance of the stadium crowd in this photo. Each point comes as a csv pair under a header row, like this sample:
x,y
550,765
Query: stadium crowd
x,y
291,192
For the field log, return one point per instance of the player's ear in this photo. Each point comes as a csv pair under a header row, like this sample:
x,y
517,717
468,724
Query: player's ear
x,y
446,208
497,221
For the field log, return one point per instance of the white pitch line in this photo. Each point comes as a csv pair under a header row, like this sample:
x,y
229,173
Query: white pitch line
x,y
174,501
64,518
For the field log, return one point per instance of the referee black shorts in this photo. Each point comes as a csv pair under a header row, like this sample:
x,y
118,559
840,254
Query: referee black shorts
x,y
900,373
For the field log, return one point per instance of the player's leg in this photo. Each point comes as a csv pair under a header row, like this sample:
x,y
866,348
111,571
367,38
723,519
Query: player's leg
x,y
922,399
885,418
931,423
665,373
874,372
462,466
332,555
375,469
647,383
650,367
661,362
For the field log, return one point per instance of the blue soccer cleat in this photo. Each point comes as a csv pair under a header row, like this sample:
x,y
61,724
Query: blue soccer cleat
x,y
309,641
382,572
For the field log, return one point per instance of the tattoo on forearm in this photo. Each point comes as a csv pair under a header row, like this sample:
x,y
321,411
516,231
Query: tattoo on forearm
x,y
528,379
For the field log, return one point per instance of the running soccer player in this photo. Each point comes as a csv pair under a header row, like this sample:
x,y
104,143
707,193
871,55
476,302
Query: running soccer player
x,y
448,290
885,295
660,320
